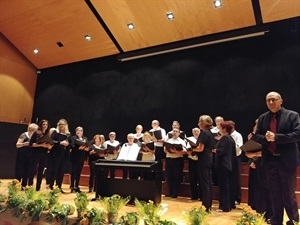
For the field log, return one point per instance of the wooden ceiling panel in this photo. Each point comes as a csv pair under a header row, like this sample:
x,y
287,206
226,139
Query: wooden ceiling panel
x,y
193,18
56,21
274,10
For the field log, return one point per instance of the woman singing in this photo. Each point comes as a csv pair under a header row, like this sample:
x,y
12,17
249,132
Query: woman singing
x,y
40,146
78,154
23,158
59,153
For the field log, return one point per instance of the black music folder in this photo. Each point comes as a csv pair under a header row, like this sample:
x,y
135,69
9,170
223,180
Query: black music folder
x,y
45,139
83,142
168,146
157,134
192,144
100,150
110,148
150,145
251,146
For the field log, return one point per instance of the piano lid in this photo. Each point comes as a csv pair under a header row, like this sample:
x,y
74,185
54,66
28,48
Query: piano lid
x,y
151,165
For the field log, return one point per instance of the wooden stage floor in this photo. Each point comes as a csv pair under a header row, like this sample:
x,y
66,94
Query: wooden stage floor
x,y
174,212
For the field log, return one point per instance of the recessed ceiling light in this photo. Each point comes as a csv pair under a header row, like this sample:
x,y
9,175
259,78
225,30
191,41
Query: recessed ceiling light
x,y
35,51
217,3
88,37
170,16
130,26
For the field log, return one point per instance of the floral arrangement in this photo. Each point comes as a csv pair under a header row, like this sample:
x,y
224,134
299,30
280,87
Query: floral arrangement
x,y
130,218
53,197
93,216
149,211
250,217
81,202
60,213
197,215
112,206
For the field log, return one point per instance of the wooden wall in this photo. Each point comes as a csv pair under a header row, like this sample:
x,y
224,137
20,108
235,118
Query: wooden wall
x,y
17,84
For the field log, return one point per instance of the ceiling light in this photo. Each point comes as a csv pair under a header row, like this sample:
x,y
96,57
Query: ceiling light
x,y
88,37
217,3
130,26
170,16
36,51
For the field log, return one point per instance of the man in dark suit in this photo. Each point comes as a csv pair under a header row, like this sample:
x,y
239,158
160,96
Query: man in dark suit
x,y
278,131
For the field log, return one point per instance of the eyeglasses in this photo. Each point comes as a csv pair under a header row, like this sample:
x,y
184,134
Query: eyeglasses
x,y
272,100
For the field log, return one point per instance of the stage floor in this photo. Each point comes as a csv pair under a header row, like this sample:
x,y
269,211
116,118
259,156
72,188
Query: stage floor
x,y
174,212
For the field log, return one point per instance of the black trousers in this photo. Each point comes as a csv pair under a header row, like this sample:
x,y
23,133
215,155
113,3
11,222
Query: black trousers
x,y
23,162
38,165
205,179
174,174
75,173
224,179
194,179
282,186
56,169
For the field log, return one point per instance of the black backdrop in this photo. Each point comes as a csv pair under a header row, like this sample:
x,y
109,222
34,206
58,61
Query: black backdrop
x,y
229,79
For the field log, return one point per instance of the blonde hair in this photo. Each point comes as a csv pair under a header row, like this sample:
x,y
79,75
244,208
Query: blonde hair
x,y
32,127
63,121
207,120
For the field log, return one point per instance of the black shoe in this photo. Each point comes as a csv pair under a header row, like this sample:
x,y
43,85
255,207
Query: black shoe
x,y
78,190
90,190
268,221
73,190
93,199
61,191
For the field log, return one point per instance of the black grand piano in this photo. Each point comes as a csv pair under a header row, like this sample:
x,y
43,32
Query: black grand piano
x,y
141,189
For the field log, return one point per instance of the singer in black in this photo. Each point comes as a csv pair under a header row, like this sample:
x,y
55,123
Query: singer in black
x,y
39,153
23,158
59,154
278,131
79,153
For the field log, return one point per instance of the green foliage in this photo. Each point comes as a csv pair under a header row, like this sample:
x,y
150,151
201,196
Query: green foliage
x,y
149,211
114,203
130,218
14,187
60,213
81,203
166,222
53,197
196,216
93,216
250,217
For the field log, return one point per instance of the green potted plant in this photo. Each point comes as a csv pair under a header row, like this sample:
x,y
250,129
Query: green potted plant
x,y
93,216
35,204
60,213
197,215
81,203
149,211
112,206
166,222
53,197
130,218
250,217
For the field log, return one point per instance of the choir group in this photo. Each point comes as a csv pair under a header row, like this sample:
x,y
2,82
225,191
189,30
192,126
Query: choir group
x,y
213,154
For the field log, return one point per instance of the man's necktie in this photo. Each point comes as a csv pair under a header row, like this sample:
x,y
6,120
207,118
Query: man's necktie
x,y
273,125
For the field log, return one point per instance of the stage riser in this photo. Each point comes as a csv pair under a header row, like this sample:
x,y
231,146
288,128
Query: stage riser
x,y
185,188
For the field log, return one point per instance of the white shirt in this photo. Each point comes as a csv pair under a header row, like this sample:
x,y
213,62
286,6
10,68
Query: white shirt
x,y
115,143
163,135
237,137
